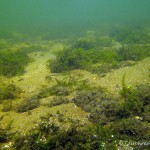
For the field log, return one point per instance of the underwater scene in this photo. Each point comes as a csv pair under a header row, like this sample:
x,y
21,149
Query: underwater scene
x,y
74,75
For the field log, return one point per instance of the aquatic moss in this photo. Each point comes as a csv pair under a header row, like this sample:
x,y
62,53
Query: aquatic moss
x,y
88,44
134,52
3,135
70,59
49,135
58,101
13,63
7,106
106,58
134,99
98,102
63,87
28,104
84,44
9,91
132,129
129,35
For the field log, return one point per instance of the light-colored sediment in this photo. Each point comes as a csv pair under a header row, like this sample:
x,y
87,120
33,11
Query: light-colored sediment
x,y
135,75
23,122
34,79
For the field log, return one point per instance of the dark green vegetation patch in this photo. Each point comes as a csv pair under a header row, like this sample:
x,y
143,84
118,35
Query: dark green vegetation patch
x,y
13,63
8,91
28,104
97,61
130,35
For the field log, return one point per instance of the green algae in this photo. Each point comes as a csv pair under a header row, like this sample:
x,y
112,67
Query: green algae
x,y
13,63
9,91
104,101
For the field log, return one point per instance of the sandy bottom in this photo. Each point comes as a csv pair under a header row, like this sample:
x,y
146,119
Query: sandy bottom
x,y
35,78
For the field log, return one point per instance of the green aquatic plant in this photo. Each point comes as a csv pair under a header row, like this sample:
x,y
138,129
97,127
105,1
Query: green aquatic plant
x,y
13,63
49,135
9,91
95,43
98,103
144,93
58,101
9,125
131,129
28,104
133,104
70,59
104,42
7,106
54,90
106,58
129,35
3,135
63,86
84,44
134,52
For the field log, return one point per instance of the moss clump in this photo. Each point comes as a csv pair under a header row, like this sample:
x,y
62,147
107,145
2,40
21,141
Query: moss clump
x,y
49,135
70,59
63,86
130,35
144,93
28,104
135,99
88,44
84,44
132,129
102,107
54,90
13,63
58,101
3,135
9,91
7,106
134,52
84,57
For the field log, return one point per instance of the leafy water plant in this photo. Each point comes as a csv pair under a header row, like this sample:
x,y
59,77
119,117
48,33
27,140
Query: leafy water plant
x,y
8,91
84,44
50,135
134,52
13,63
58,101
63,86
129,35
28,104
105,58
101,106
70,59
7,106
131,128
133,104
3,135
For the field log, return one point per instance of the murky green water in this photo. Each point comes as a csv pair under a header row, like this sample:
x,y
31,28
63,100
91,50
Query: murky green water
x,y
63,17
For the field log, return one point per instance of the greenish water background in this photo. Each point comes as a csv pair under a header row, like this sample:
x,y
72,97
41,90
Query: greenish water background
x,y
65,16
